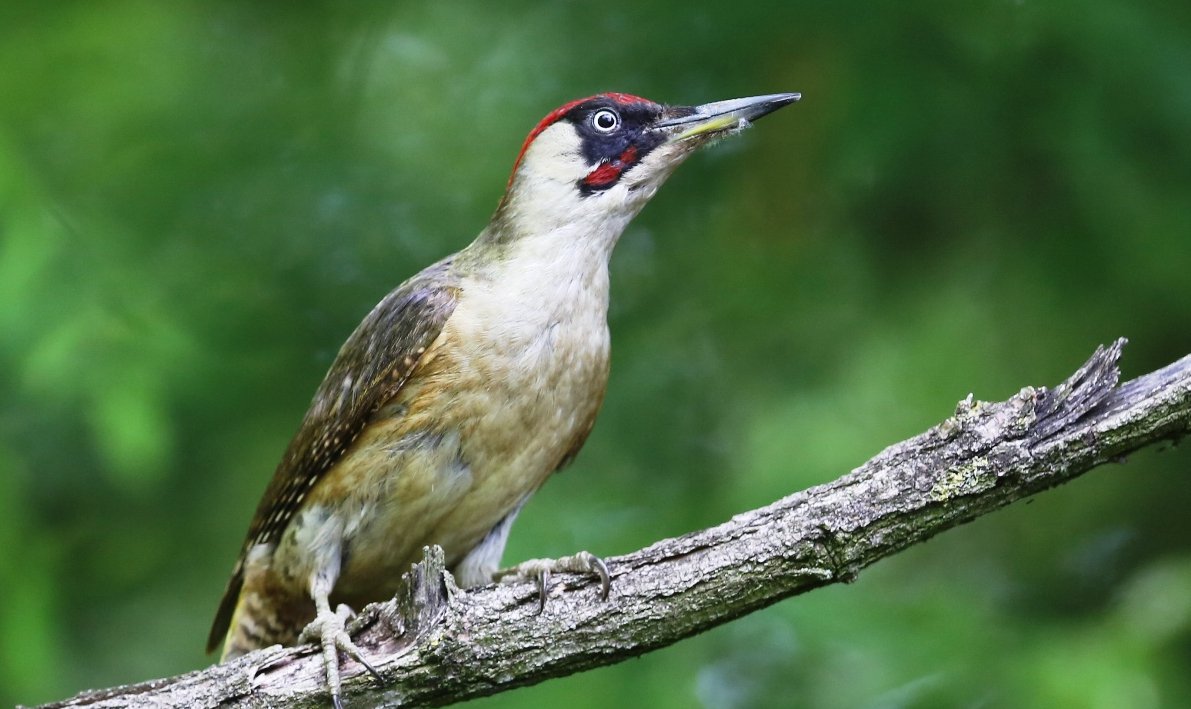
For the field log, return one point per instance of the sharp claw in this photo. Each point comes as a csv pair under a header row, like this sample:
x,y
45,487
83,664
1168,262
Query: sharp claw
x,y
543,581
605,579
337,701
345,644
371,670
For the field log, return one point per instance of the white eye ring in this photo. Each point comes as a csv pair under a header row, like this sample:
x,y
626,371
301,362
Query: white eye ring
x,y
605,120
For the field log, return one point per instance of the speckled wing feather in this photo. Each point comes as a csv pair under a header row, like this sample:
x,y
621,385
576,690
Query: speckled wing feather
x,y
370,369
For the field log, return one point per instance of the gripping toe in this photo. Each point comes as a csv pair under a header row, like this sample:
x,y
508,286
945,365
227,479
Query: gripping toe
x,y
539,571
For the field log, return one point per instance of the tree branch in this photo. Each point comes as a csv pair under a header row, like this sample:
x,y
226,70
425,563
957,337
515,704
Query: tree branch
x,y
435,644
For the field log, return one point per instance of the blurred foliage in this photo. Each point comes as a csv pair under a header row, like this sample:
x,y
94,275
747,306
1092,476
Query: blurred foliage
x,y
199,200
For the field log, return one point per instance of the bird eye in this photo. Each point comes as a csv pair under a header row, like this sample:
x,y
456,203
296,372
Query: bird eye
x,y
605,120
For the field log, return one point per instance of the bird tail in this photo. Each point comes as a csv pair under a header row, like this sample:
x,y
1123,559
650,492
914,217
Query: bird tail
x,y
255,613
224,617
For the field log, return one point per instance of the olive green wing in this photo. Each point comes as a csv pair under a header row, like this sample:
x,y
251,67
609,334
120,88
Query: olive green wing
x,y
370,369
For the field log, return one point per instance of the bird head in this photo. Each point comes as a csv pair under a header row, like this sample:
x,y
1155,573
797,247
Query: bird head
x,y
598,160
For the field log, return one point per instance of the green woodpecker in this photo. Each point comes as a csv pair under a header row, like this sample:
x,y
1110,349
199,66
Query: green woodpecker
x,y
465,388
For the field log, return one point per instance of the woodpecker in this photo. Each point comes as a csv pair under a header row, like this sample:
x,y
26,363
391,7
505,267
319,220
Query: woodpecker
x,y
464,388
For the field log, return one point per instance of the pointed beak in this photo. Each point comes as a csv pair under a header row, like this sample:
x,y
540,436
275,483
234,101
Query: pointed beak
x,y
719,118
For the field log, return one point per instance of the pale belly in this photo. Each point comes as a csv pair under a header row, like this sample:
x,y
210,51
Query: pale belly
x,y
460,449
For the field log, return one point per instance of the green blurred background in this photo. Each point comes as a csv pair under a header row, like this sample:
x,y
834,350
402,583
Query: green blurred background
x,y
199,201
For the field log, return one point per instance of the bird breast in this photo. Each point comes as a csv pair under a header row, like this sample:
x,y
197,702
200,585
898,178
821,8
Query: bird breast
x,y
532,347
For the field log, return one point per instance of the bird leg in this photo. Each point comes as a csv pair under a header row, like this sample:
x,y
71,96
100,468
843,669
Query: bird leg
x,y
539,571
327,629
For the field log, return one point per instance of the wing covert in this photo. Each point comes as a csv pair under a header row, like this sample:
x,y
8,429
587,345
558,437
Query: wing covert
x,y
369,370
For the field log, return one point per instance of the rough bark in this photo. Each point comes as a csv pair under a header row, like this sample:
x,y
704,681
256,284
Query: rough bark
x,y
435,644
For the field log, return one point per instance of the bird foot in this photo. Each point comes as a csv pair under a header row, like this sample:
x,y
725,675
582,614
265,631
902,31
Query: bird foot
x,y
327,629
539,571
